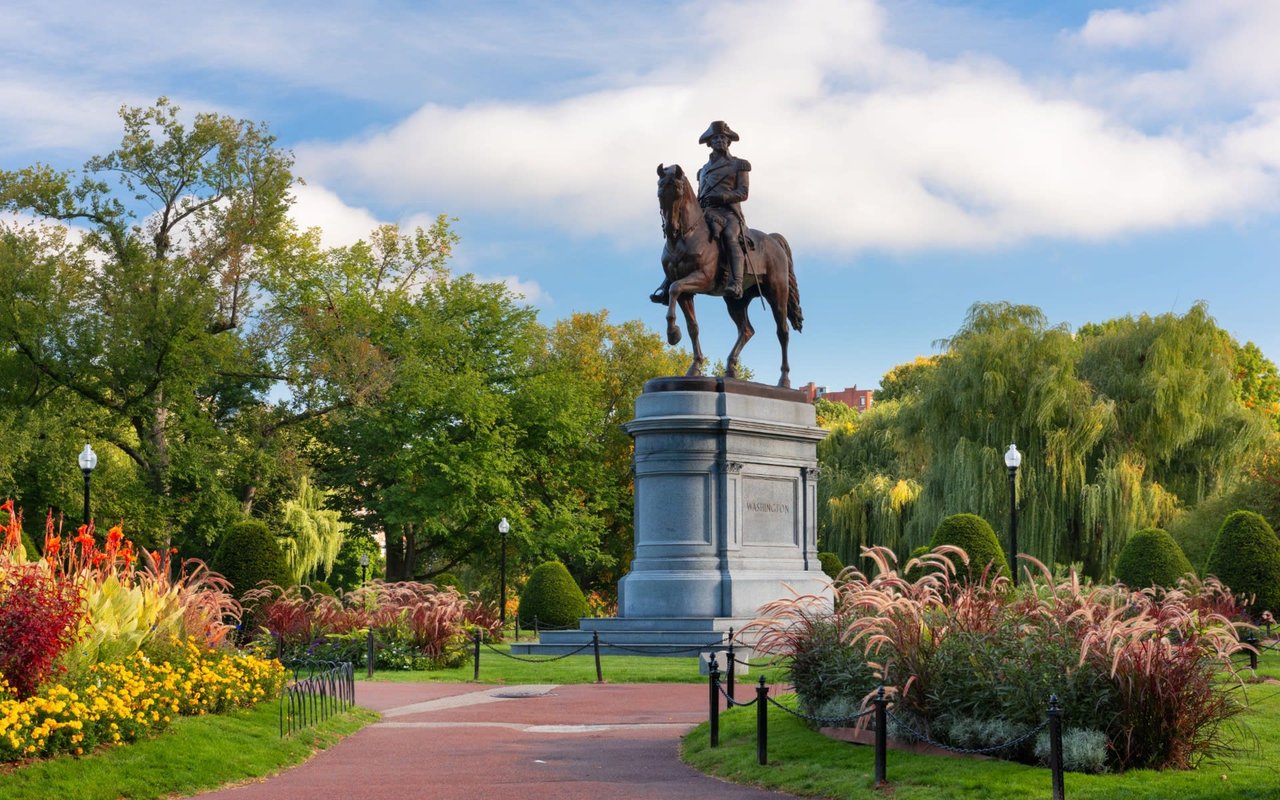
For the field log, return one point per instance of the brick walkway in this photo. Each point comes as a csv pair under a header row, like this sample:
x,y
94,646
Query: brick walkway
x,y
472,742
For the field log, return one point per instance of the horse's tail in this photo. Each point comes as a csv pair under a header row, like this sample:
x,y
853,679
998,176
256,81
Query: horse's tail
x,y
794,315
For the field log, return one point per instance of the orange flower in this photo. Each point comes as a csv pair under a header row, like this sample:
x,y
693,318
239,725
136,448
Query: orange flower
x,y
114,536
51,545
7,505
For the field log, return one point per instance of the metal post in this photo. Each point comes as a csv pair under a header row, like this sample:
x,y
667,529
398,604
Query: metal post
x,y
502,581
86,495
369,656
713,691
1055,747
595,646
882,724
1013,522
762,723
475,674
517,627
1252,641
731,665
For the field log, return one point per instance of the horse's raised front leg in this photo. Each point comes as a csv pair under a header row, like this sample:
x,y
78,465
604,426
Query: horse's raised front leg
x,y
738,313
691,321
673,330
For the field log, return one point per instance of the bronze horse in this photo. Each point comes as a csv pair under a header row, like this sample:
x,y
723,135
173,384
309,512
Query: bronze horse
x,y
690,260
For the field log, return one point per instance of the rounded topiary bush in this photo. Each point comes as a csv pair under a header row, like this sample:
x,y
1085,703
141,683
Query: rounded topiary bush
x,y
248,555
831,564
1151,558
974,535
1246,557
552,597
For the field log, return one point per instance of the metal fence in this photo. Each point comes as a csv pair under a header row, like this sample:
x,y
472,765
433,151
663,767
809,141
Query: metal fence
x,y
328,688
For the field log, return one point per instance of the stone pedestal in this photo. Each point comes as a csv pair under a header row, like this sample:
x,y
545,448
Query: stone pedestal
x,y
725,490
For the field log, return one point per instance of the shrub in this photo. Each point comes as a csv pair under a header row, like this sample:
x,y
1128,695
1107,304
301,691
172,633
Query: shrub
x,y
39,618
250,555
552,597
30,547
447,580
1151,558
1246,557
974,535
831,564
321,587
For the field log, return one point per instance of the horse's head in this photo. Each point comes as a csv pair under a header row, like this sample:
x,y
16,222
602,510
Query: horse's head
x,y
674,192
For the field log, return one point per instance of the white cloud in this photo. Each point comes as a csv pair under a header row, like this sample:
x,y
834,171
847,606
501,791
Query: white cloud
x,y
314,206
527,289
1223,51
856,143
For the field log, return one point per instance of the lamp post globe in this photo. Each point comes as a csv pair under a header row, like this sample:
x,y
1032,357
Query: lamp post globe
x,y
1012,460
364,568
504,528
87,460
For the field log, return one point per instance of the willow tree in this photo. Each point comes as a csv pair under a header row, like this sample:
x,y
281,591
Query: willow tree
x,y
1118,426
315,533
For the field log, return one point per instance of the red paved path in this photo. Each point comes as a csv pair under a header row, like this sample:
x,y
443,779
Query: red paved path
x,y
496,750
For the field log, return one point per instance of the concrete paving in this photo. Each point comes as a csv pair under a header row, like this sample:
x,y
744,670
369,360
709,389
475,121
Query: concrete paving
x,y
473,742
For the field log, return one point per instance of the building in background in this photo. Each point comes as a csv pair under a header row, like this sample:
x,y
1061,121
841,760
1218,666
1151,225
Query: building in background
x,y
855,398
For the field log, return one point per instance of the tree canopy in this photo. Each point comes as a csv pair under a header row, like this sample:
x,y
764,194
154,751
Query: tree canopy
x,y
1121,425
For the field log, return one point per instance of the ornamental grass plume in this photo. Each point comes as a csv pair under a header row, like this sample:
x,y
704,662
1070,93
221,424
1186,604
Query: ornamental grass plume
x,y
1150,669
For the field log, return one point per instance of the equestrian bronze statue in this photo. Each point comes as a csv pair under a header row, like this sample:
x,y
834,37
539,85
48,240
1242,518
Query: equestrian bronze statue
x,y
710,250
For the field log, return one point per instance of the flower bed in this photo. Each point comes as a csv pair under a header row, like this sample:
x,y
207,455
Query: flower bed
x,y
415,625
102,643
121,702
972,663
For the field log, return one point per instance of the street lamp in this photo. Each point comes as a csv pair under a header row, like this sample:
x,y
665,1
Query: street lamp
x,y
504,528
88,460
364,568
1012,459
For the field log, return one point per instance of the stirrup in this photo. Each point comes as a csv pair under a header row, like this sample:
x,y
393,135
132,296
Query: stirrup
x,y
660,296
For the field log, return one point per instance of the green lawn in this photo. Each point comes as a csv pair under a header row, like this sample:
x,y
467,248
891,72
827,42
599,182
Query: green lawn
x,y
803,762
495,668
194,754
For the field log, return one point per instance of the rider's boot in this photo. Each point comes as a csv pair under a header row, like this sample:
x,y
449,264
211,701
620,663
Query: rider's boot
x,y
734,287
659,295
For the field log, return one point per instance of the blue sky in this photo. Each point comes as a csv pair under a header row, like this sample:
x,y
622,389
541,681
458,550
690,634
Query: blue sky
x,y
1094,159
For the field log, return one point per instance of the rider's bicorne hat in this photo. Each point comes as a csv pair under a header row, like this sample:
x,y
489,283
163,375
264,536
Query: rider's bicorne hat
x,y
719,126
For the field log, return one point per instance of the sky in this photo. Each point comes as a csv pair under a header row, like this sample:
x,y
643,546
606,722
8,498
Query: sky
x,y
1094,159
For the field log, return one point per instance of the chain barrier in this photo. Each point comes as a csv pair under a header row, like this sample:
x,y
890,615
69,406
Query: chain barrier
x,y
664,651
968,751
833,722
732,703
538,660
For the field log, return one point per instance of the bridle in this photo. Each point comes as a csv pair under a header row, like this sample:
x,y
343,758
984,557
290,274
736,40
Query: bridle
x,y
672,225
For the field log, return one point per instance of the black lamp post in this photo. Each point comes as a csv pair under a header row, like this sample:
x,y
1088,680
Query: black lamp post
x,y
88,460
364,568
1012,458
504,528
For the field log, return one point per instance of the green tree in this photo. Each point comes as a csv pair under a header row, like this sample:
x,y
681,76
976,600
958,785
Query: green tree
x,y
137,322
1120,425
314,534
832,415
